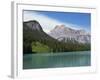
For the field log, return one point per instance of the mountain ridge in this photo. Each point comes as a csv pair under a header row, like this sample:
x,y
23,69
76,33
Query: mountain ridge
x,y
35,40
61,31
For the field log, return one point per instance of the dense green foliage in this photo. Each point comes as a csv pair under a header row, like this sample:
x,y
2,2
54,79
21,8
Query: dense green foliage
x,y
39,47
37,41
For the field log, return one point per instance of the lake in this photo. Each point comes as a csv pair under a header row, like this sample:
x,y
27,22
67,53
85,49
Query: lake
x,y
54,60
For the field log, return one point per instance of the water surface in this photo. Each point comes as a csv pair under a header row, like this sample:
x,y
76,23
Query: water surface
x,y
53,60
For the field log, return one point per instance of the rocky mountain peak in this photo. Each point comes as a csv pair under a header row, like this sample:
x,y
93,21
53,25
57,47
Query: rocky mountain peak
x,y
62,32
34,25
60,27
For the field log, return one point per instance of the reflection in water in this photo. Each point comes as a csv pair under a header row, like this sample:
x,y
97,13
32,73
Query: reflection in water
x,y
65,59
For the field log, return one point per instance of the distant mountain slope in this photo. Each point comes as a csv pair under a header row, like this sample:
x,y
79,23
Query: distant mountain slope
x,y
63,33
33,32
34,29
35,40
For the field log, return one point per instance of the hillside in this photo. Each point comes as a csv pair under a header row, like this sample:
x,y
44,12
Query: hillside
x,y
35,40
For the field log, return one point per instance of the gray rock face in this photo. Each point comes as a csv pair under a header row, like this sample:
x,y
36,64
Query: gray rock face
x,y
63,33
34,25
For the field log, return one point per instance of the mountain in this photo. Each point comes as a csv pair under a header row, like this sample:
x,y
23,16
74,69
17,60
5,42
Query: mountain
x,y
32,25
34,30
33,33
61,32
35,40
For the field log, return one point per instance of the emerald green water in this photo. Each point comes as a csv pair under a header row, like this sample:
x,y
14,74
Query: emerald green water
x,y
64,59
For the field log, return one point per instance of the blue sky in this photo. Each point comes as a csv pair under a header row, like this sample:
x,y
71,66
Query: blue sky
x,y
70,19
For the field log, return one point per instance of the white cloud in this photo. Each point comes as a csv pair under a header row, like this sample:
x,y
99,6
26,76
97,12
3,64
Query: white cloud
x,y
46,22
